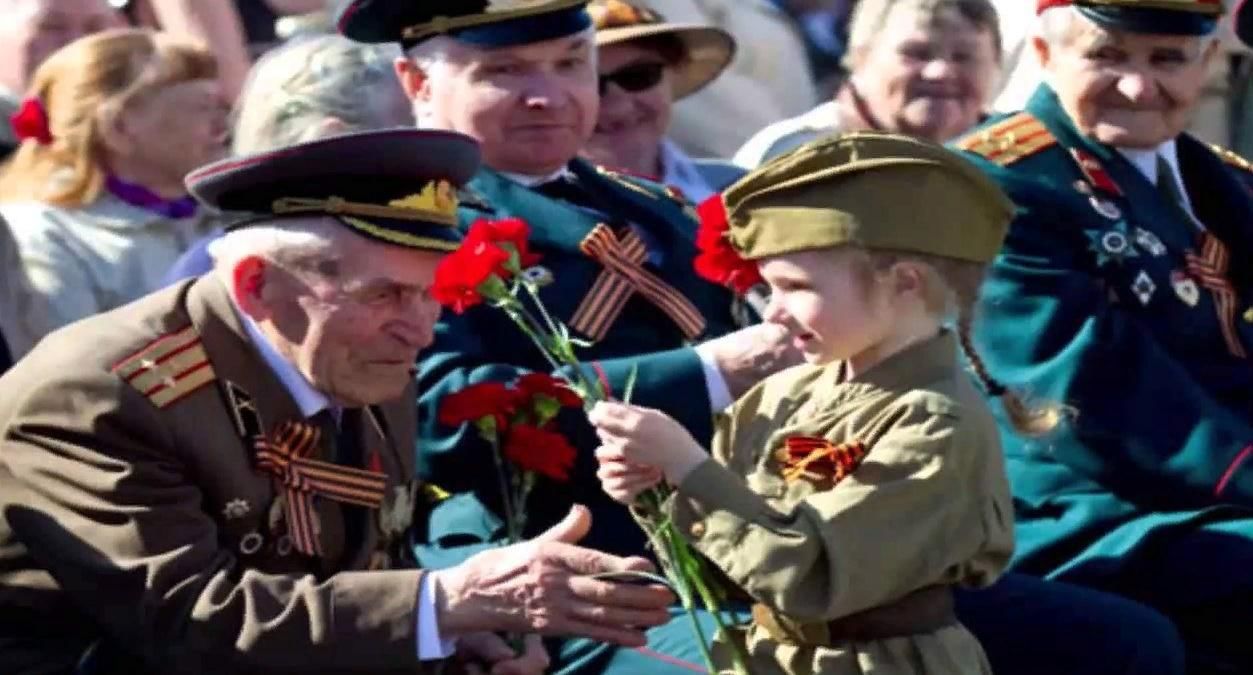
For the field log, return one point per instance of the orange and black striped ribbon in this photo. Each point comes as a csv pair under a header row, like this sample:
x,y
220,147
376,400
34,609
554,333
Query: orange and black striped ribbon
x,y
623,258
286,457
820,460
1210,270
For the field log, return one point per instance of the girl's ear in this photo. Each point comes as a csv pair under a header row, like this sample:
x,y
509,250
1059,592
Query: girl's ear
x,y
907,278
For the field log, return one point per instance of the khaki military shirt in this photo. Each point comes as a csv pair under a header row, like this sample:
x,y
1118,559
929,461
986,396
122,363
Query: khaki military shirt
x,y
928,506
134,516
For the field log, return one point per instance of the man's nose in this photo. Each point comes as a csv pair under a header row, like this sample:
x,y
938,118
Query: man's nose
x,y
543,90
1135,86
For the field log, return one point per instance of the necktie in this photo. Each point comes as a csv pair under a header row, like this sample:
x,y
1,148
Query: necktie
x,y
563,189
1168,188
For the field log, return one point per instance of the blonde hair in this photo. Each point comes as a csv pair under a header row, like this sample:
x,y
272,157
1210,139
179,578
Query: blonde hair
x,y
301,85
951,290
84,86
870,16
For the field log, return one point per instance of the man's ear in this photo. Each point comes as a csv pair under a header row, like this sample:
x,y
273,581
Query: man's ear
x,y
1042,50
413,80
248,287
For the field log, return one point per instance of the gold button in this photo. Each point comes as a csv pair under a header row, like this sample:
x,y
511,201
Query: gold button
x,y
697,529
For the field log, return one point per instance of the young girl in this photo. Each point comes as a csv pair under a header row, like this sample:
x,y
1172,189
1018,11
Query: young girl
x,y
847,496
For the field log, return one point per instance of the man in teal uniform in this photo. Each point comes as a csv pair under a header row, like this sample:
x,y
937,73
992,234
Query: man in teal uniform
x,y
1122,297
520,77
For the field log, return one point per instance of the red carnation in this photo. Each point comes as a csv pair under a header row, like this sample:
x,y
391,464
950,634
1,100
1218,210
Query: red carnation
x,y
544,452
512,231
543,384
718,261
485,399
460,275
31,121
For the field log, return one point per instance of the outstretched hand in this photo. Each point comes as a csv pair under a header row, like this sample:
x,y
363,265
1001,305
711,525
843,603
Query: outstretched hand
x,y
544,586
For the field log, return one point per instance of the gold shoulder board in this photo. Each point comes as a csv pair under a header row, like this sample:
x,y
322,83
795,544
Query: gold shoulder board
x,y
1009,140
169,368
1232,158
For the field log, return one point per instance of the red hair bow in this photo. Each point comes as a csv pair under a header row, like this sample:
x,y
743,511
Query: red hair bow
x,y
31,122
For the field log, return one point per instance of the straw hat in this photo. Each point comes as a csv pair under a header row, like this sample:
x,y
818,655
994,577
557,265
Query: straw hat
x,y
708,49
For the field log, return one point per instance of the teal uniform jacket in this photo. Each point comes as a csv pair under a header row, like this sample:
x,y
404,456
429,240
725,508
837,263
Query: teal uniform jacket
x,y
483,344
1107,299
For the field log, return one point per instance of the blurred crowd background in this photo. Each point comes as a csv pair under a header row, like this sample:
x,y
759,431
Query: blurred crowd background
x,y
132,94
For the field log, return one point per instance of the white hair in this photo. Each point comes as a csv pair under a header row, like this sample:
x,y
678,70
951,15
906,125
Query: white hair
x,y
296,89
303,244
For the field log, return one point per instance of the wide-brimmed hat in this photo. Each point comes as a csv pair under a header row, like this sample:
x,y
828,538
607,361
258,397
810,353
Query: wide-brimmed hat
x,y
708,50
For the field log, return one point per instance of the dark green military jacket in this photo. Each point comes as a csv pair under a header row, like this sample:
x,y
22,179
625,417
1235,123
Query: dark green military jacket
x,y
483,344
1107,298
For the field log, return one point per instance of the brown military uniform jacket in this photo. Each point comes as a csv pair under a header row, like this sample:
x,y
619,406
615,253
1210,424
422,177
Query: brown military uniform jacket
x,y
133,515
927,507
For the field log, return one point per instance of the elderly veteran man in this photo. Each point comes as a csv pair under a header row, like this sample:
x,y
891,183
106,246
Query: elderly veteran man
x,y
218,477
1122,294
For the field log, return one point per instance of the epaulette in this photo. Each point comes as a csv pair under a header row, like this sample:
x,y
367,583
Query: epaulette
x,y
1232,158
1009,140
644,185
168,368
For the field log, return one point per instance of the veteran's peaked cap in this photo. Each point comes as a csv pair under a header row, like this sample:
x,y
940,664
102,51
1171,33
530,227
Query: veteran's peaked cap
x,y
1161,17
397,185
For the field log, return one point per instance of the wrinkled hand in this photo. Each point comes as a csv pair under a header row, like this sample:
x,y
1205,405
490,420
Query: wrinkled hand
x,y
645,437
542,586
488,653
750,354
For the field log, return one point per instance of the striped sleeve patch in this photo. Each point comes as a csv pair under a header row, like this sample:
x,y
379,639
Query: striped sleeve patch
x,y
1009,140
169,368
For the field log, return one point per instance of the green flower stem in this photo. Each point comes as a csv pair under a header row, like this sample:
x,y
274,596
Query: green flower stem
x,y
510,521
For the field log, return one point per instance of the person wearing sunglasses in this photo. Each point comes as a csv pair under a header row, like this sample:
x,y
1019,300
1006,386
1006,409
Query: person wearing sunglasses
x,y
645,65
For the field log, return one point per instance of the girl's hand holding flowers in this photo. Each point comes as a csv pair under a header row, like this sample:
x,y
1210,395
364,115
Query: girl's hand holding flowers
x,y
636,444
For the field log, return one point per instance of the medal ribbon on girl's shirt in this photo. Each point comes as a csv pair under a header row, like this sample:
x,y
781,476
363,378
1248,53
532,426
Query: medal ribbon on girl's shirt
x,y
819,460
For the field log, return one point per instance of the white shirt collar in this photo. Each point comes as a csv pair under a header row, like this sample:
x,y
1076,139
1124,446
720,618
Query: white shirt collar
x,y
308,400
1146,162
682,173
532,181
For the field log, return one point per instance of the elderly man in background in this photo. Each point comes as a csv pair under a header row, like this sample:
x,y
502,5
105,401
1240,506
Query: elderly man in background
x,y
308,88
1121,302
219,478
30,32
645,65
923,68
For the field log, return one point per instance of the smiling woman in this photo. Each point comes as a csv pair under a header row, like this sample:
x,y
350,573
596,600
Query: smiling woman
x,y
645,65
923,68
94,194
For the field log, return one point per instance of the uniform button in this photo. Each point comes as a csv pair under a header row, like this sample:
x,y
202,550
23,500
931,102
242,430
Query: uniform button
x,y
697,529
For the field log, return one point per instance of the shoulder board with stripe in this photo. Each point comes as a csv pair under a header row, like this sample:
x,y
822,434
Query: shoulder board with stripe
x,y
169,368
640,184
1009,140
1232,158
